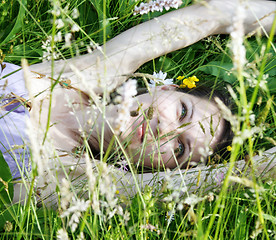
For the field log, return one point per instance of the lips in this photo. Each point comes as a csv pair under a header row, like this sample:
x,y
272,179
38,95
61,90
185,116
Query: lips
x,y
141,129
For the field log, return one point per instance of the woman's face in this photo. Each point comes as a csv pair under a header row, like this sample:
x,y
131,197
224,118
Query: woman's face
x,y
171,127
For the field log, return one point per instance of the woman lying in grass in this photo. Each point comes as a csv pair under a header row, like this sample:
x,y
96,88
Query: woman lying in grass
x,y
166,127
160,129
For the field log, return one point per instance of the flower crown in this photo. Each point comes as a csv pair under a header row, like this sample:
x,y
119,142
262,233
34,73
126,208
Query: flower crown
x,y
159,79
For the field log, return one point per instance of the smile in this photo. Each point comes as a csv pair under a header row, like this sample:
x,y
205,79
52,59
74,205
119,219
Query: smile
x,y
141,129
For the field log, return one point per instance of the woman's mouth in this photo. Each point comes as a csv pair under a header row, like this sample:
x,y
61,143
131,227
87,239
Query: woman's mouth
x,y
141,130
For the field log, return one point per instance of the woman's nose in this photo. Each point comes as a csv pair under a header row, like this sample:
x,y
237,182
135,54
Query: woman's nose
x,y
162,126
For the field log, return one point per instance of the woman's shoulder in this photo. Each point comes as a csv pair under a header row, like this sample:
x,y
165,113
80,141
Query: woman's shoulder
x,y
13,115
12,80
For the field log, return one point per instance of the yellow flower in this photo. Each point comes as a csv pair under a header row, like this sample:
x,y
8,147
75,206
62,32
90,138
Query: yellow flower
x,y
188,82
229,148
180,77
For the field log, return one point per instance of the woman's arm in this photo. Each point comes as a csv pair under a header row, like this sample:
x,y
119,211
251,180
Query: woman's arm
x,y
128,184
203,178
124,54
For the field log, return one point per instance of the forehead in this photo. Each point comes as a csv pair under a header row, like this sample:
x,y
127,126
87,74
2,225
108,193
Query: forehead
x,y
170,97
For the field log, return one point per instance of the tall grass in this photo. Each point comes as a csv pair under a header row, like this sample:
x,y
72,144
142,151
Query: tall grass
x,y
232,212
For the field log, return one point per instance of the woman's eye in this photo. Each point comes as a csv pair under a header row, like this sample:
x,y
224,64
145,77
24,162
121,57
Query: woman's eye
x,y
180,150
183,111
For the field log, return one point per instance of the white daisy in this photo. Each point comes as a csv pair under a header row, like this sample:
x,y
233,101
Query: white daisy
x,y
160,79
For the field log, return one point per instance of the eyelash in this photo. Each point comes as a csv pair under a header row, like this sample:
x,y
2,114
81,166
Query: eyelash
x,y
180,149
183,112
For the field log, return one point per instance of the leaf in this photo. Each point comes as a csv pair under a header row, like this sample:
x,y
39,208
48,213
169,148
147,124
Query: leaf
x,y
18,23
267,217
220,70
23,50
6,186
240,224
263,114
8,214
125,6
165,64
103,17
270,67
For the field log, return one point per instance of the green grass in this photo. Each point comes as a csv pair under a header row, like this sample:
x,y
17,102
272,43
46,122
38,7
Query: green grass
x,y
235,212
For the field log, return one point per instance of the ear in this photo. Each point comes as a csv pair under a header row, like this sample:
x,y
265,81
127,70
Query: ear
x,y
169,87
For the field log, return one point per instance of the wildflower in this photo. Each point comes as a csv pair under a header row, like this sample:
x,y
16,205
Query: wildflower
x,y
75,28
65,193
123,165
127,91
62,234
81,236
126,217
188,82
205,152
8,226
56,12
142,9
252,75
95,46
90,174
41,153
237,34
62,24
59,23
48,50
58,37
151,228
68,37
258,229
104,201
157,5
252,118
192,200
160,79
246,182
210,197
229,148
170,216
75,13
241,136
77,207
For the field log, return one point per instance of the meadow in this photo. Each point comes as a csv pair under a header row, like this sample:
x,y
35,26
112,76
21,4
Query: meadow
x,y
59,29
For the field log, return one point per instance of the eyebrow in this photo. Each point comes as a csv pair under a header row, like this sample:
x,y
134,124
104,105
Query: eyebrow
x,y
192,114
192,103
